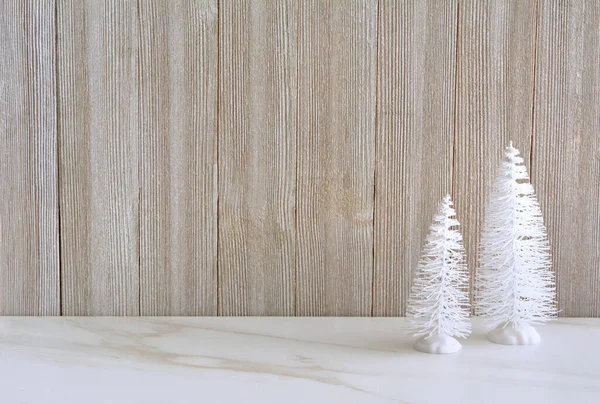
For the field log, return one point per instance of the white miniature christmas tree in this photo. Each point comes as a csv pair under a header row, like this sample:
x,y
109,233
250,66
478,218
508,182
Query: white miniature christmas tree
x,y
438,308
515,286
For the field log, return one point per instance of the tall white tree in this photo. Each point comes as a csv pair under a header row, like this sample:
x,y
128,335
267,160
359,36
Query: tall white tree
x,y
515,286
438,307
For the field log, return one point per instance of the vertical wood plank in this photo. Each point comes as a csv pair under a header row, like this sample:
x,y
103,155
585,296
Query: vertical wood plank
x,y
178,201
496,45
566,148
336,142
29,256
415,129
257,157
98,104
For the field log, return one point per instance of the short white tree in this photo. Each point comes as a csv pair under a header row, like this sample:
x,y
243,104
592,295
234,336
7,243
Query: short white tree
x,y
438,307
514,287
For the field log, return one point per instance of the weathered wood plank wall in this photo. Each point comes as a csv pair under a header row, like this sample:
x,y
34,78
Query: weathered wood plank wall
x,y
29,237
220,157
566,147
337,43
415,130
257,157
178,157
98,120
494,101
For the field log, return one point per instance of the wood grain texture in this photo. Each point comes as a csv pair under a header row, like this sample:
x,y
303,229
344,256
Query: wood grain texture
x,y
178,139
29,256
203,157
415,129
566,148
257,157
496,44
336,157
98,121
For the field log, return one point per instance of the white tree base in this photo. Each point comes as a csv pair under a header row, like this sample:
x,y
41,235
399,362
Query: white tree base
x,y
508,334
438,345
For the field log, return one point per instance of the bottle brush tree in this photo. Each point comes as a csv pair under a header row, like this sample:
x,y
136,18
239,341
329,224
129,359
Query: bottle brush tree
x,y
515,286
438,307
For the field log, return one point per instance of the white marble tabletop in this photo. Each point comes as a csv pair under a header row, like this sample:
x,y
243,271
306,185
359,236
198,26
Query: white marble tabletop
x,y
284,360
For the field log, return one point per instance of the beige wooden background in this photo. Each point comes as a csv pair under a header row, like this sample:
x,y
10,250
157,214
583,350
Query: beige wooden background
x,y
204,157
